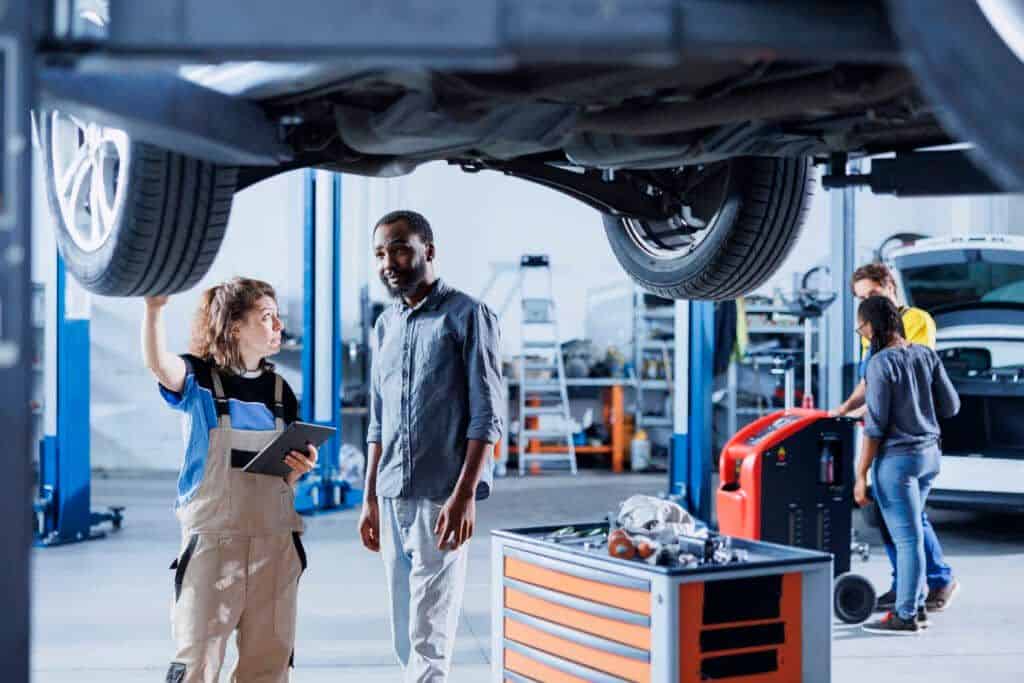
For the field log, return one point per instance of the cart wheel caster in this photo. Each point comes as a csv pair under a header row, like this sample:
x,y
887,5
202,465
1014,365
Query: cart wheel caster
x,y
853,598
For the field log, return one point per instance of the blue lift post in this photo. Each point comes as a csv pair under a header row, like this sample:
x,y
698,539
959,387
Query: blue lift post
x,y
63,506
690,462
323,489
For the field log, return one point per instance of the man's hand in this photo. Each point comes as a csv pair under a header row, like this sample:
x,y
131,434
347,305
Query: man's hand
x,y
455,522
300,463
860,491
836,412
369,525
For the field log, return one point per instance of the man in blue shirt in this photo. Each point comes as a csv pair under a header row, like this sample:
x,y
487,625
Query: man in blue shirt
x,y
434,417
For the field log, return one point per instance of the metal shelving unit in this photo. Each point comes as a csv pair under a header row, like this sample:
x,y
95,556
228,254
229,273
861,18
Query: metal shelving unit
x,y
811,357
653,360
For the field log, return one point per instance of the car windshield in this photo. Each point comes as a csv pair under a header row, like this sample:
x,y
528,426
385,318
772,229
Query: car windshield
x,y
953,285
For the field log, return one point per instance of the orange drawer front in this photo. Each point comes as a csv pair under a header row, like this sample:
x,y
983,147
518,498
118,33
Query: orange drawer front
x,y
630,599
628,634
616,665
532,669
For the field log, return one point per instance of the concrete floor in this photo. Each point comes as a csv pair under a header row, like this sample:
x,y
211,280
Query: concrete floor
x,y
101,609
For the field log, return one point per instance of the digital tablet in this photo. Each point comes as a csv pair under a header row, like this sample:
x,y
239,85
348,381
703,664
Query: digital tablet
x,y
295,437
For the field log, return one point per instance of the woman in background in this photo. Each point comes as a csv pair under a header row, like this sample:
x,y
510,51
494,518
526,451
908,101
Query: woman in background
x,y
907,391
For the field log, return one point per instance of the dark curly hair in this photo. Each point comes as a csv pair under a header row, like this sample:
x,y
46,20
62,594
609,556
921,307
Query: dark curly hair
x,y
417,223
885,320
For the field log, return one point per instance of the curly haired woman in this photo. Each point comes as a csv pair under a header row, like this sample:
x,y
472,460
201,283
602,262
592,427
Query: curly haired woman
x,y
241,555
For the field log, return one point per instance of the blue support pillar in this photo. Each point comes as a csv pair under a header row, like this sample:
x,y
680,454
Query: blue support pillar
x,y
702,345
63,506
323,489
691,459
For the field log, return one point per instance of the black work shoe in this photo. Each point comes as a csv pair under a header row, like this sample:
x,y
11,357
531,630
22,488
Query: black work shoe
x,y
891,624
922,617
940,598
886,602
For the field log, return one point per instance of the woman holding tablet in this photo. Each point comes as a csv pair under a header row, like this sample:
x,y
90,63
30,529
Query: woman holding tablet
x,y
241,554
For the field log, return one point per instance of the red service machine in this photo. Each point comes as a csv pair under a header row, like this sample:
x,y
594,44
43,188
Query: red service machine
x,y
788,478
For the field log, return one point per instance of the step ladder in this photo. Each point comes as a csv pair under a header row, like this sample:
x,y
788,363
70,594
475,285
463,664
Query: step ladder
x,y
543,397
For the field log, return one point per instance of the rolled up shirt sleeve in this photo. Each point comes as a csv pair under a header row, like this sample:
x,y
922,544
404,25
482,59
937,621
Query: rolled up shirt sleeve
x,y
482,353
878,399
373,429
189,393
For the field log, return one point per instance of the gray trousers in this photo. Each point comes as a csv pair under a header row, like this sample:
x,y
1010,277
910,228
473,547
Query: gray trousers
x,y
425,586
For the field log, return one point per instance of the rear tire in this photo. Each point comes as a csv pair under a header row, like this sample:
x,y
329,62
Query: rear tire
x,y
162,235
760,217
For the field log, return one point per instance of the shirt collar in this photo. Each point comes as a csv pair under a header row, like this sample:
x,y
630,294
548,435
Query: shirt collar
x,y
431,302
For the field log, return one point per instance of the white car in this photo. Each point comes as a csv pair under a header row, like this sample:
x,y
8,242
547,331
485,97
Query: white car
x,y
974,288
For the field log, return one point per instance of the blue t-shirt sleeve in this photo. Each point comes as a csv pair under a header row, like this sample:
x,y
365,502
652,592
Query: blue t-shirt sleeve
x,y
182,401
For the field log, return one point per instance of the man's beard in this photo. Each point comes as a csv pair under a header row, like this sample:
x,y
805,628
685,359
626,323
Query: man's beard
x,y
408,281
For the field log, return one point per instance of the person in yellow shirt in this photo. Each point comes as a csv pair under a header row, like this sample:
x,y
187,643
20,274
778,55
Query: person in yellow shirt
x,y
875,279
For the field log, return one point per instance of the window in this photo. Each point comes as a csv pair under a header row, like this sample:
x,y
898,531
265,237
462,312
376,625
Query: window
x,y
948,285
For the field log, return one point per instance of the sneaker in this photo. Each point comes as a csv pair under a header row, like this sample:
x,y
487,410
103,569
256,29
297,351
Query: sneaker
x,y
886,602
891,624
940,598
922,617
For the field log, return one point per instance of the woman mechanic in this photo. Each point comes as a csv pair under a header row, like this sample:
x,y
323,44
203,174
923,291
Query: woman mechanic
x,y
241,554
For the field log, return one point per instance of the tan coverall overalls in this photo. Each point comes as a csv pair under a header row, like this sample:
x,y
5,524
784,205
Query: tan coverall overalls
x,y
240,561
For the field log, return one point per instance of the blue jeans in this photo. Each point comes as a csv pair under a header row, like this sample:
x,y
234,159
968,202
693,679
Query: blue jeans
x,y
937,573
901,485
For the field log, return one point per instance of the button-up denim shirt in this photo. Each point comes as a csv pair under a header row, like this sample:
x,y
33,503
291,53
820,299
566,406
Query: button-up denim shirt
x,y
436,383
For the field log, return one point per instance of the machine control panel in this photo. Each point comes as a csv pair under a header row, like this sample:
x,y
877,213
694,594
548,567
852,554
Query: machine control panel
x,y
773,427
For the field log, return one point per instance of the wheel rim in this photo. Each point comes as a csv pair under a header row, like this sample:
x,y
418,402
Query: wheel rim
x,y
1006,17
90,174
680,235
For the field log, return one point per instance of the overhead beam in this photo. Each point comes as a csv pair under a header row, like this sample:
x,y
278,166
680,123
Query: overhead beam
x,y
494,33
166,110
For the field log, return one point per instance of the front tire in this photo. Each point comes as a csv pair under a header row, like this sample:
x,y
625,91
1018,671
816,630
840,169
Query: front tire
x,y
969,58
132,219
758,219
